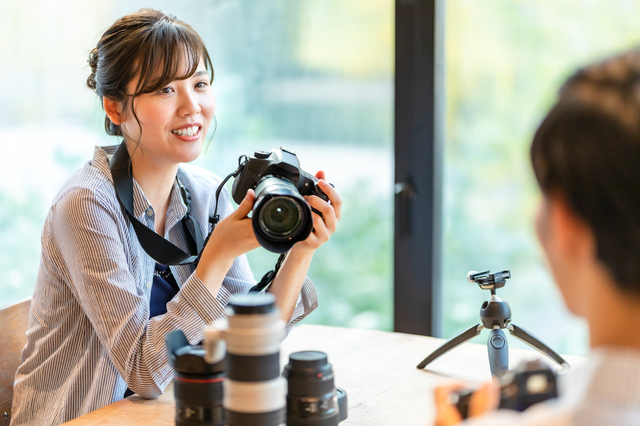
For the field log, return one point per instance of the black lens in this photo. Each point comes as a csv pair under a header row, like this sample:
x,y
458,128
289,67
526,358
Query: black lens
x,y
199,399
312,399
281,216
198,385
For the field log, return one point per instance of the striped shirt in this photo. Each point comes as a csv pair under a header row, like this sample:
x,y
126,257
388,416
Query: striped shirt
x,y
90,335
605,391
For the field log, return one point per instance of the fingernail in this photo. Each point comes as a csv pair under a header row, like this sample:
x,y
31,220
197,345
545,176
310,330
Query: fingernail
x,y
322,182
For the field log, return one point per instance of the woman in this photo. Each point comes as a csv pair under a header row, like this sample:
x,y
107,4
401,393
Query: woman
x,y
102,305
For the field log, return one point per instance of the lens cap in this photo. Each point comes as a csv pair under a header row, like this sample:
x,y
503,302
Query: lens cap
x,y
247,304
308,359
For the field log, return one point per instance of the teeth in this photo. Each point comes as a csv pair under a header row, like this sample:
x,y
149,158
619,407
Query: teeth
x,y
189,131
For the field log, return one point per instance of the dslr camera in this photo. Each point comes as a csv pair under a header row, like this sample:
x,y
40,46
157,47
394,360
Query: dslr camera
x,y
281,216
530,383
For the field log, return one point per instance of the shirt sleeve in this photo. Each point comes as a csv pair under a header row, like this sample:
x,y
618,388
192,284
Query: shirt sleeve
x,y
543,414
240,279
94,258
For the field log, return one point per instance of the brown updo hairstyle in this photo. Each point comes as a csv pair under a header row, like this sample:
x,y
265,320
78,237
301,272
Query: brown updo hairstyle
x,y
148,44
587,150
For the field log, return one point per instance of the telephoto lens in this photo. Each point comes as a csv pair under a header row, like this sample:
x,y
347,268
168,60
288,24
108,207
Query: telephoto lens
x,y
198,385
255,392
313,399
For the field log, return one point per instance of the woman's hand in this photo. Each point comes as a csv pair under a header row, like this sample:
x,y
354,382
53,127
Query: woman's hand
x,y
326,225
288,282
232,237
483,400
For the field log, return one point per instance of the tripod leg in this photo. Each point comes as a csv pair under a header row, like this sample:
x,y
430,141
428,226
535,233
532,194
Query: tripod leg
x,y
455,341
498,352
533,341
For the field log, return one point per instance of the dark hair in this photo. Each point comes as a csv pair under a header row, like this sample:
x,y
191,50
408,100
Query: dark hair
x,y
587,150
149,44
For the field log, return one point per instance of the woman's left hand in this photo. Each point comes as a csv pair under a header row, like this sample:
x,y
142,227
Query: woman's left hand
x,y
326,225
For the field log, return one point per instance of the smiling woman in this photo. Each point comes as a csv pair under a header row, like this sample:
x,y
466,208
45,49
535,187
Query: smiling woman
x,y
103,300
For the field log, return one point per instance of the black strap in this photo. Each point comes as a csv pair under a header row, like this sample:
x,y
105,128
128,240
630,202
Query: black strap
x,y
267,279
161,250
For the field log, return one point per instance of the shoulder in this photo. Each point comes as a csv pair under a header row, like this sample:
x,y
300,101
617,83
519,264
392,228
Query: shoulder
x,y
91,184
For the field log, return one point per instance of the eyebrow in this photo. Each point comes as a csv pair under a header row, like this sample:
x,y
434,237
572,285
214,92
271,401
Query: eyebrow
x,y
199,73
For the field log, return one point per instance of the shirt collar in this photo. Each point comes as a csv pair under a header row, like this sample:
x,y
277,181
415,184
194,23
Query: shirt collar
x,y
141,205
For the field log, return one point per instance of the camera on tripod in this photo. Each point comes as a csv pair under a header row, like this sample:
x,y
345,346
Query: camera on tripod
x,y
488,281
530,383
281,216
495,315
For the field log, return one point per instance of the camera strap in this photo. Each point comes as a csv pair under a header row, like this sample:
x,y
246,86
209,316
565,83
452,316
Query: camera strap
x,y
268,278
160,249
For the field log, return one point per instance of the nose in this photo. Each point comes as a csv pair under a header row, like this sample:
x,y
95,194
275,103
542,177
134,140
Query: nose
x,y
189,105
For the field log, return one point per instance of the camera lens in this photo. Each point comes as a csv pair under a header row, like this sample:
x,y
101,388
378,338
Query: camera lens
x,y
280,217
198,385
255,393
312,399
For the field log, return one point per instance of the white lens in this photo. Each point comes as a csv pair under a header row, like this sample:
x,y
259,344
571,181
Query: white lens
x,y
255,397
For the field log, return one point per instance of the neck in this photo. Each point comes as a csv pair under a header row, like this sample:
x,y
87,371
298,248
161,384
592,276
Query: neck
x,y
156,180
613,316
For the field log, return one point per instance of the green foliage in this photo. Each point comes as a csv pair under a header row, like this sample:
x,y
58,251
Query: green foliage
x,y
352,272
504,63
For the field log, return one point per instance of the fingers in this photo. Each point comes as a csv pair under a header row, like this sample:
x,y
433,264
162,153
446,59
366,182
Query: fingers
x,y
246,205
484,399
446,413
442,392
334,198
328,213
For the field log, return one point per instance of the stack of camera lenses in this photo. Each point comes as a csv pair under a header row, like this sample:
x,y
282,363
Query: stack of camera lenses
x,y
313,400
254,393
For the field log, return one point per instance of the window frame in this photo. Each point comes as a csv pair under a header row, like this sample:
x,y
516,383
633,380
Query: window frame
x,y
418,165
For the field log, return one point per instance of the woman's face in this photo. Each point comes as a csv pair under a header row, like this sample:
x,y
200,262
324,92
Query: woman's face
x,y
174,120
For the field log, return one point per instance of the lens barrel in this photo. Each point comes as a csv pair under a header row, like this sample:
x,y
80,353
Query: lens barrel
x,y
254,393
198,385
281,216
312,399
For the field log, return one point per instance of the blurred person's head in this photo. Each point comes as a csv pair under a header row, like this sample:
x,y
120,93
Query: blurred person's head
x,y
132,67
586,158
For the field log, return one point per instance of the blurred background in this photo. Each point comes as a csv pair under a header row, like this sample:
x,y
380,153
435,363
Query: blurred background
x,y
316,76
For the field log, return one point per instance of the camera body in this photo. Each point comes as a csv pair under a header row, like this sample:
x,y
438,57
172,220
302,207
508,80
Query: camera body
x,y
530,383
488,281
281,216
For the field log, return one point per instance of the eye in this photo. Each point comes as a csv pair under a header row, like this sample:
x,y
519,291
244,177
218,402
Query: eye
x,y
202,84
167,89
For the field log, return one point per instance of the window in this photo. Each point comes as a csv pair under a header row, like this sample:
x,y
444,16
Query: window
x,y
504,62
315,77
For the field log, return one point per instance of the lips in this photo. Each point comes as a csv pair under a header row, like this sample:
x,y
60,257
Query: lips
x,y
187,131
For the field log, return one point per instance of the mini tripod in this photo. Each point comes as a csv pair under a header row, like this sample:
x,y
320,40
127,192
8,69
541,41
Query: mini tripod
x,y
495,315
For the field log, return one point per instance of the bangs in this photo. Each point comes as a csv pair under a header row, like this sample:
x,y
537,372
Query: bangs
x,y
167,50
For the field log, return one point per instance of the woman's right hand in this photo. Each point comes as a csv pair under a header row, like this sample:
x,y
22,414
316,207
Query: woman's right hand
x,y
232,237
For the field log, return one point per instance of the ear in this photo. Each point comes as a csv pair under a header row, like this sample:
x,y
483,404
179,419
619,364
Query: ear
x,y
113,110
573,236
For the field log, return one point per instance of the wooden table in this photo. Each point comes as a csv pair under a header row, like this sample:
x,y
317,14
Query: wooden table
x,y
377,369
